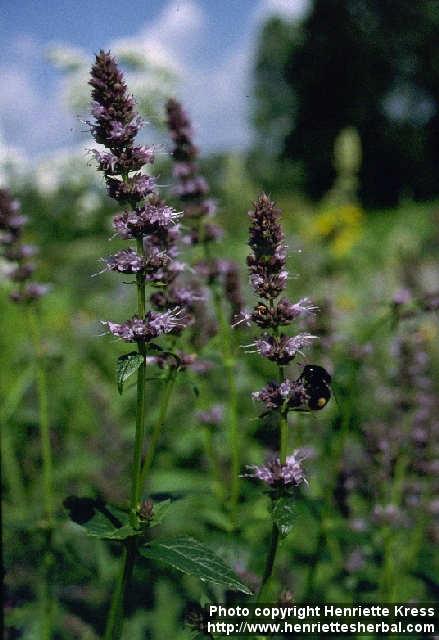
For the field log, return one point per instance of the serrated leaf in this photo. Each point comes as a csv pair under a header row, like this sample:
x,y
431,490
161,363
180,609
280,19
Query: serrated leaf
x,y
126,366
283,515
159,512
194,558
99,520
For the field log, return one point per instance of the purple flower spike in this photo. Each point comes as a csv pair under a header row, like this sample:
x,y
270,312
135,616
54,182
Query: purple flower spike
x,y
30,293
191,187
17,253
130,159
276,474
113,107
144,220
289,393
133,189
211,417
282,349
268,275
153,325
125,261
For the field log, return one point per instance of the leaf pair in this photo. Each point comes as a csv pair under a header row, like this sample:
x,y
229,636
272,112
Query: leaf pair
x,y
184,554
194,558
126,366
283,514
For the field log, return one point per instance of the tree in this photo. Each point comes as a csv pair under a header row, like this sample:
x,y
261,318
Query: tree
x,y
274,103
373,65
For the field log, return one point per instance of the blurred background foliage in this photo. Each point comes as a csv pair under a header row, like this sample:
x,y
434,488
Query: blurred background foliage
x,y
346,140
369,65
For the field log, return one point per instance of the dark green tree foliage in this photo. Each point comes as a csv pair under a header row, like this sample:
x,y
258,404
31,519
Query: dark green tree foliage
x,y
274,104
274,97
371,64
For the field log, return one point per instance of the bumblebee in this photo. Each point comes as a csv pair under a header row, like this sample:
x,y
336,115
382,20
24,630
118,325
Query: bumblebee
x,y
316,381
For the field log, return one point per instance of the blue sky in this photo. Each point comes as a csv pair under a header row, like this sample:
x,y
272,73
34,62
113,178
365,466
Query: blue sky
x,y
209,43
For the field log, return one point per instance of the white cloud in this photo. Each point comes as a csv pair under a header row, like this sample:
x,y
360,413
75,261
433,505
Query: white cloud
x,y
171,38
18,94
291,9
32,117
218,96
13,163
215,91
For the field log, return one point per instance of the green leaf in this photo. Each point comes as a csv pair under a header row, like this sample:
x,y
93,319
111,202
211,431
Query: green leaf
x,y
99,520
283,515
159,512
192,557
122,533
126,366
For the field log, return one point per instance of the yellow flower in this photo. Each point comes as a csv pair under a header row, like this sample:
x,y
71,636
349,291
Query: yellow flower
x,y
429,331
339,226
351,214
346,303
325,223
344,241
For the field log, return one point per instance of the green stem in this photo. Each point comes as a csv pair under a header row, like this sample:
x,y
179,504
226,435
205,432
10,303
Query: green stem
x,y
10,466
283,452
320,547
140,407
214,463
113,629
46,449
269,563
230,371
283,426
115,619
47,604
388,582
11,470
138,444
163,412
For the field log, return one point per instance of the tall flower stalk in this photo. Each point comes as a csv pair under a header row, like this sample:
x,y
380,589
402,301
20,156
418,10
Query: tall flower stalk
x,y
221,276
26,292
310,391
153,226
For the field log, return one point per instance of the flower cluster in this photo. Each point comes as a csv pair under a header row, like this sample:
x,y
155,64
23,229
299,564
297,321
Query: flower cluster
x,y
268,277
211,417
146,218
281,314
192,190
276,474
191,187
137,329
18,254
116,126
232,290
283,349
267,261
290,393
311,390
